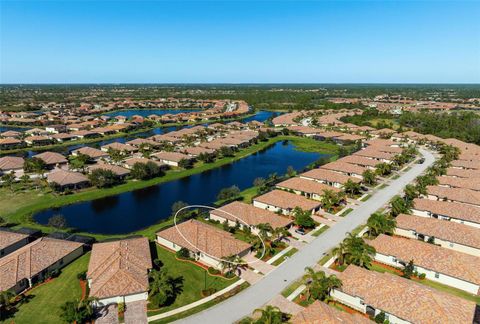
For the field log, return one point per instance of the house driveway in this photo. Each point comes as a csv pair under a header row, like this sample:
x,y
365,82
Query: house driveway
x,y
250,276
286,305
258,264
108,315
136,312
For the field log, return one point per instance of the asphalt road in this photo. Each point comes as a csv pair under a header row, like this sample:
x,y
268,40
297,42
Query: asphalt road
x,y
256,296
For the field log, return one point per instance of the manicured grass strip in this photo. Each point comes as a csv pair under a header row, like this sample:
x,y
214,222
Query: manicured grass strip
x,y
367,197
320,231
384,185
325,258
203,306
291,288
358,229
195,279
346,212
46,299
285,256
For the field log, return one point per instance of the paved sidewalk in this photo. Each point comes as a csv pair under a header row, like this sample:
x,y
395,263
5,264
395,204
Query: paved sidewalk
x,y
258,264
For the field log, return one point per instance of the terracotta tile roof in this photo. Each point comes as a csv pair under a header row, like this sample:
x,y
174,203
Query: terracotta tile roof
x,y
91,152
140,141
251,215
405,298
305,185
9,141
171,156
466,196
11,134
8,238
450,209
119,146
51,158
119,171
207,238
196,150
462,173
11,162
65,178
329,176
430,256
466,183
475,165
286,200
343,167
374,153
131,162
32,259
444,230
321,313
360,160
119,268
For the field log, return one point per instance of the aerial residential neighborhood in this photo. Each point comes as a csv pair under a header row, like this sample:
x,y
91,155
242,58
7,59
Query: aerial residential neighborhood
x,y
239,162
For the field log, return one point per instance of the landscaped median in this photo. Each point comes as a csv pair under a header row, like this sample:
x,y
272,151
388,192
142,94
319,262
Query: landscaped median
x,y
19,207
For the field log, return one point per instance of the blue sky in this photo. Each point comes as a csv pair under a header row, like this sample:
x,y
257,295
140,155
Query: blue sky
x,y
239,42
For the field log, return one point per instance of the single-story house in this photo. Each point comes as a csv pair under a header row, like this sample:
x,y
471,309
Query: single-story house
x,y
143,141
129,163
455,182
124,148
450,235
466,196
11,164
93,153
37,140
284,202
52,159
463,173
361,161
118,271
117,170
248,214
10,143
348,169
206,243
321,313
375,154
308,188
448,267
446,210
62,137
197,150
402,300
27,265
11,241
67,179
171,158
331,178
468,165
11,133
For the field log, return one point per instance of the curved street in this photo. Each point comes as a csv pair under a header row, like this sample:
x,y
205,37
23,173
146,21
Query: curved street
x,y
256,296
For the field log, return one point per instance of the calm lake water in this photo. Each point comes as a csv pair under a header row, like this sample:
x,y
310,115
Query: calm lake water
x,y
146,112
138,209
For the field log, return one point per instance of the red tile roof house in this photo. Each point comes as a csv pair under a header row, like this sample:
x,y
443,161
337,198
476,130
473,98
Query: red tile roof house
x,y
118,271
37,140
448,267
466,196
117,170
171,158
462,173
52,159
468,165
93,153
129,163
402,300
321,313
361,161
328,177
248,215
348,169
206,243
284,202
124,148
375,154
445,210
10,143
11,164
450,235
62,137
11,241
454,182
24,267
67,179
308,188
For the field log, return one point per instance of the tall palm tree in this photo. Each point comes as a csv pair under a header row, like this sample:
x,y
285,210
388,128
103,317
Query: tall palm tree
x,y
279,234
318,284
264,229
339,251
410,192
269,315
399,206
369,177
383,169
351,188
379,223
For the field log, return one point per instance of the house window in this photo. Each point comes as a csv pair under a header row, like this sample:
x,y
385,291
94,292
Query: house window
x,y
437,275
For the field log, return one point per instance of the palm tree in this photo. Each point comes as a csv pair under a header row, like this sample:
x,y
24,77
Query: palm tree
x,y
279,234
6,298
383,169
78,311
357,251
264,230
399,206
369,177
351,188
318,284
410,192
379,223
269,315
339,251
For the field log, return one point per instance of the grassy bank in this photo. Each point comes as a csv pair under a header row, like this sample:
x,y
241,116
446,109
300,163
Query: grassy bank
x,y
19,207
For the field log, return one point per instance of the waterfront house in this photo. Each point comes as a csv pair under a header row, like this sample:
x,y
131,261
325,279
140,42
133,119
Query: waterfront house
x,y
284,202
171,158
123,148
351,170
117,170
118,271
375,154
33,262
52,159
450,235
9,143
37,140
64,179
129,163
361,161
331,178
11,241
12,164
248,215
206,243
402,300
11,133
92,153
62,137
308,188
445,266
446,210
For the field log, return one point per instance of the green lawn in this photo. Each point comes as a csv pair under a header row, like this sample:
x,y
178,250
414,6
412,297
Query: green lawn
x,y
367,197
346,212
195,280
46,299
285,256
292,287
325,258
320,231
384,185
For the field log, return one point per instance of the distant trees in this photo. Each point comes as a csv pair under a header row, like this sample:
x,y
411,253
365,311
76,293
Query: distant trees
x,y
102,178
185,163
